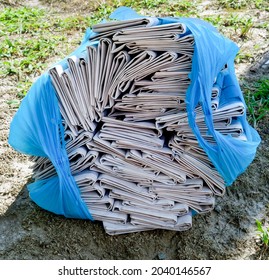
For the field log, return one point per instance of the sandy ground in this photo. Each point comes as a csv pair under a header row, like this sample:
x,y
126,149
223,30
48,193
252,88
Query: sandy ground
x,y
228,232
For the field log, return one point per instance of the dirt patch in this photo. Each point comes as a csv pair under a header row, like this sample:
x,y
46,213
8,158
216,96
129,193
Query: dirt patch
x,y
228,232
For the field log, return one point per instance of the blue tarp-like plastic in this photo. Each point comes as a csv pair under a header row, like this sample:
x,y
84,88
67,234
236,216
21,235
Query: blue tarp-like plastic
x,y
37,126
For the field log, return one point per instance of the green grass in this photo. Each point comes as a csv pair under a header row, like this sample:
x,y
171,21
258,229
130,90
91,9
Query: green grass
x,y
30,37
241,4
263,233
183,5
24,56
257,100
22,20
243,56
239,25
234,4
147,7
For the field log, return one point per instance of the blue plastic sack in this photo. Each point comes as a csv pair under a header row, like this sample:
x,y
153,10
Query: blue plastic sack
x,y
37,130
37,126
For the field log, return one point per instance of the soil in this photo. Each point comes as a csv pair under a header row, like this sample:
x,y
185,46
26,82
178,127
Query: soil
x,y
228,232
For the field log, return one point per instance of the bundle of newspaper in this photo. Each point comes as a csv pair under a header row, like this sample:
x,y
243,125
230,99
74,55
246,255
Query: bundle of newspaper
x,y
132,153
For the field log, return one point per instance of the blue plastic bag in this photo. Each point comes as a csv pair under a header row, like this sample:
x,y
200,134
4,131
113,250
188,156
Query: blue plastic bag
x,y
37,126
212,51
37,130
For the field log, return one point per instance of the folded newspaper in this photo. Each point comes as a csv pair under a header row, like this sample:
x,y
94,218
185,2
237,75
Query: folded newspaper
x,y
134,157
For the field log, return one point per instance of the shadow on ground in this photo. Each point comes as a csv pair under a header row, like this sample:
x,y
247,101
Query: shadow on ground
x,y
228,232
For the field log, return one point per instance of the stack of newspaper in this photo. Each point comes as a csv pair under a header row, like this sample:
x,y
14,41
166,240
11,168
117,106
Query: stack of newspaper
x,y
132,153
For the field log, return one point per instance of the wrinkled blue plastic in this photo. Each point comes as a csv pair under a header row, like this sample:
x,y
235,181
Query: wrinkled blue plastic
x,y
212,51
37,128
230,156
